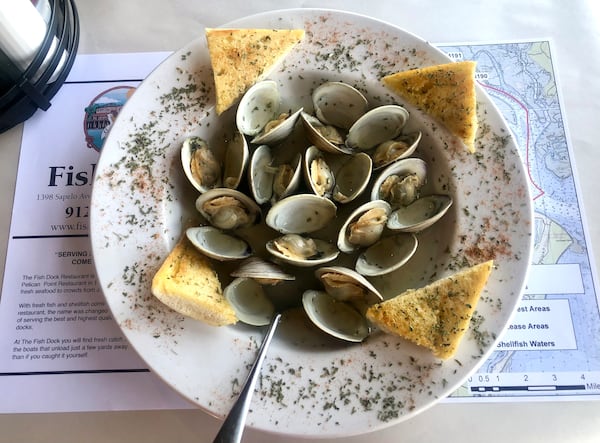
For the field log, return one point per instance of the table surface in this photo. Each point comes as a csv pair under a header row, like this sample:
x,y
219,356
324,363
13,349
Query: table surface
x,y
112,26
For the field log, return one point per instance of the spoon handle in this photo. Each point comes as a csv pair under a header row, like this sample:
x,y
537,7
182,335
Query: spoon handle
x,y
233,426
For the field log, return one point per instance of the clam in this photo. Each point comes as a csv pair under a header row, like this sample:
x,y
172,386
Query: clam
x,y
386,255
344,284
204,170
300,250
399,184
376,126
269,182
249,301
327,138
337,318
338,104
352,177
317,172
390,151
342,178
259,114
301,213
217,244
227,208
263,271
364,226
200,165
236,159
420,214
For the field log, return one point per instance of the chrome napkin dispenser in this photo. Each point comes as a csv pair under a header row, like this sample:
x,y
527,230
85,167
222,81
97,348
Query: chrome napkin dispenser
x,y
26,88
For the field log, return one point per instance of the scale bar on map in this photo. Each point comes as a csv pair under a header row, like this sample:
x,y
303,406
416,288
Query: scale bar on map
x,y
537,388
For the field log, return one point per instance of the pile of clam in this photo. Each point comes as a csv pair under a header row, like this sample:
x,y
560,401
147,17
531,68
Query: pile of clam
x,y
355,157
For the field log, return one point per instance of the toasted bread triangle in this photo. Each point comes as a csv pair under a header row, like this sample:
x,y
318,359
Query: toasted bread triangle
x,y
188,284
437,315
446,92
241,57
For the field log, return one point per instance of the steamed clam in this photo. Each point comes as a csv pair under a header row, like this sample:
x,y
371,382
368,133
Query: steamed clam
x,y
364,226
227,208
249,301
317,172
270,182
390,151
346,284
338,104
300,250
376,126
337,318
300,214
386,255
352,177
203,168
259,114
326,137
218,244
200,164
399,184
341,177
420,214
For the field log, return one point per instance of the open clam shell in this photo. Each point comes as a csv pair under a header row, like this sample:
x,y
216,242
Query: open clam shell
x,y
235,162
228,209
376,126
420,214
301,213
358,231
336,318
317,172
390,151
249,301
338,104
352,177
346,284
258,114
200,165
400,193
325,137
386,255
205,171
217,244
302,251
270,182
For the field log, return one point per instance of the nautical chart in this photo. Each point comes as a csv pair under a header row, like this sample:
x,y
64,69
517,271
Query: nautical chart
x,y
552,346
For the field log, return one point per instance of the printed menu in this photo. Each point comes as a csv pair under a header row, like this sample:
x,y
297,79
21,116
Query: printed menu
x,y
61,350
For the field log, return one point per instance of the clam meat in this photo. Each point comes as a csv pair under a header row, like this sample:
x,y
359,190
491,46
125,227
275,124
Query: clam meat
x,y
391,150
302,251
368,228
227,209
346,284
400,190
364,226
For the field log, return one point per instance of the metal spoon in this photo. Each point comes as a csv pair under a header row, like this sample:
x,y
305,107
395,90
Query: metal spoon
x,y
233,427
